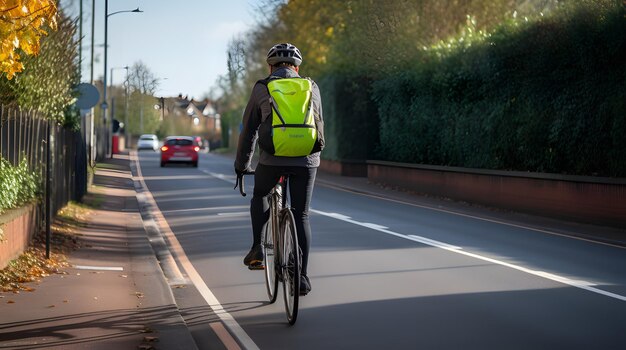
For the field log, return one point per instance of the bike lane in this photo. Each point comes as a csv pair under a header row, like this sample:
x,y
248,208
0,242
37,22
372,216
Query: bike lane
x,y
371,288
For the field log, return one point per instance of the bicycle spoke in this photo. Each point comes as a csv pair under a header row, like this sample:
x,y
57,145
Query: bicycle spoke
x,y
269,259
291,266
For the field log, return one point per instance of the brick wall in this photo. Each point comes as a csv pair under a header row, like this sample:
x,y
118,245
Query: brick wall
x,y
584,199
18,228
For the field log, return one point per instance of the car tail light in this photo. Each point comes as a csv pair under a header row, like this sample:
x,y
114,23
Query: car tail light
x,y
197,149
164,148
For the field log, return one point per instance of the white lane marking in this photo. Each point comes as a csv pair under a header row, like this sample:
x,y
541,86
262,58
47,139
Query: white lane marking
x,y
228,178
574,283
243,213
99,268
224,336
432,242
325,184
195,277
153,229
205,209
209,297
374,226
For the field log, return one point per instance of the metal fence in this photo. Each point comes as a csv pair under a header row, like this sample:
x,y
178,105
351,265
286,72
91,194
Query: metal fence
x,y
27,135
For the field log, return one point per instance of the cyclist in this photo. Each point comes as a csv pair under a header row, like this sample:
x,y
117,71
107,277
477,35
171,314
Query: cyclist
x,y
284,62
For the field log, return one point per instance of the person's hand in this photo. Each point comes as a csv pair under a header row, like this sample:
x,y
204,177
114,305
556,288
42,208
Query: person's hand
x,y
241,172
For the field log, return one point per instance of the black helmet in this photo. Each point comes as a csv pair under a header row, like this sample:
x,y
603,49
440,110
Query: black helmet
x,y
284,53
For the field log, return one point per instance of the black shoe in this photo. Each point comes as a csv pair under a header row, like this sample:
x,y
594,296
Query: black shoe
x,y
305,285
254,259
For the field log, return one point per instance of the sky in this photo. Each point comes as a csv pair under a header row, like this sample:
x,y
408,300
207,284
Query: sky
x,y
183,43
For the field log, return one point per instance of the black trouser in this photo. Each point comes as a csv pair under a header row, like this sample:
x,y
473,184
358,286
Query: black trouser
x,y
301,181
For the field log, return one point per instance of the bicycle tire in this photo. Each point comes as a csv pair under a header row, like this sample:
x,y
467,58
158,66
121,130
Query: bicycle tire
x,y
270,254
291,265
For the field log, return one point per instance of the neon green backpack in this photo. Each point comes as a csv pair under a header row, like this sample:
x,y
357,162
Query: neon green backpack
x,y
293,131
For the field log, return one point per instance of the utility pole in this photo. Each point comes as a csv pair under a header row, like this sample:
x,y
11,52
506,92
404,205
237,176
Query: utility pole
x,y
162,101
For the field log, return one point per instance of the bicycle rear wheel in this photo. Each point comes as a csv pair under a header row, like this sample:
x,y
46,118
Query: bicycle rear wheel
x,y
291,265
270,258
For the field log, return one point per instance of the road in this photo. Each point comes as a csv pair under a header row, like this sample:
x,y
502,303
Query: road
x,y
388,272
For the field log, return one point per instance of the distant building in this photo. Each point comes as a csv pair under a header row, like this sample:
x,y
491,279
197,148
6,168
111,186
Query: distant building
x,y
185,116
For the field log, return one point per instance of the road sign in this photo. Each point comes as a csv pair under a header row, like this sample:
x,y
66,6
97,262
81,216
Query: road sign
x,y
88,96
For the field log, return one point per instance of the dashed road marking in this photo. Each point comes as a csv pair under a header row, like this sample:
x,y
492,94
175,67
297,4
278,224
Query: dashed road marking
x,y
433,243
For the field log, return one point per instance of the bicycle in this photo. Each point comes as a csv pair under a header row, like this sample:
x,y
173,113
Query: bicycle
x,y
282,258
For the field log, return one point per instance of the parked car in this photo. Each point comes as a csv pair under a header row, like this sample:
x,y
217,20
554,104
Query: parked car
x,y
148,141
179,149
202,143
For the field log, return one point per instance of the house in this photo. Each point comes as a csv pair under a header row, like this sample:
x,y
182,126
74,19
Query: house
x,y
186,116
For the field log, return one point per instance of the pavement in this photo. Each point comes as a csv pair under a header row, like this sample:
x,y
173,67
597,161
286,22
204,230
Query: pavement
x,y
115,294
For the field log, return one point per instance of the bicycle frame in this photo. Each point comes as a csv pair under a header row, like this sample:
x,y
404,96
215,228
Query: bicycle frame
x,y
282,255
278,202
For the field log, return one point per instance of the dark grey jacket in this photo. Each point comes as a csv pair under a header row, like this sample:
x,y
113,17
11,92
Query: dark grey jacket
x,y
257,110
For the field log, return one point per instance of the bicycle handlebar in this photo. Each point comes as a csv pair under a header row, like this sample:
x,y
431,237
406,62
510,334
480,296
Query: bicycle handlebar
x,y
239,182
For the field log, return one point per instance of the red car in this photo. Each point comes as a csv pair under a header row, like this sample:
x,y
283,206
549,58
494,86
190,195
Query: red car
x,y
179,149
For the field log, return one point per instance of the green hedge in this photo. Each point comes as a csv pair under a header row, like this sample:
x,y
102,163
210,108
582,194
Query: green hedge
x,y
350,121
548,96
18,185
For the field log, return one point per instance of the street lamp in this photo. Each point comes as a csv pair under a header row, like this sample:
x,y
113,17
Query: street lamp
x,y
126,101
106,36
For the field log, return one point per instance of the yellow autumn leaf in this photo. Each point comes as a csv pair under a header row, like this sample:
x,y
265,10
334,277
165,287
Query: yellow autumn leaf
x,y
5,4
22,24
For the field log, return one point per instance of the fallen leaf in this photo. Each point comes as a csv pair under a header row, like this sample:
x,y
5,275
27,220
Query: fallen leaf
x,y
145,347
10,302
138,294
51,306
123,276
66,301
151,339
146,330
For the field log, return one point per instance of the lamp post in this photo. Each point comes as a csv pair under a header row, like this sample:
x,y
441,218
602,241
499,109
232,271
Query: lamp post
x,y
106,36
113,99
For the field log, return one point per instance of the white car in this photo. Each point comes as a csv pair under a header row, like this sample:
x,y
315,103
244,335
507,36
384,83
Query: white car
x,y
148,141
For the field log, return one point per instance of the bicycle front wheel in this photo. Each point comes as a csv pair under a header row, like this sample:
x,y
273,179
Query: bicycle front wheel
x,y
269,259
291,265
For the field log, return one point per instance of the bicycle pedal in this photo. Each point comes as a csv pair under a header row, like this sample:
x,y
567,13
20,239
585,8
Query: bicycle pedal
x,y
258,266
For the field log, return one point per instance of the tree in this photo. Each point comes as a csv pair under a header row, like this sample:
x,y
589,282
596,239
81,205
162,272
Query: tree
x,y
48,80
142,84
233,90
22,24
142,80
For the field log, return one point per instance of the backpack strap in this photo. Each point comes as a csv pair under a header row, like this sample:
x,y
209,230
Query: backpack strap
x,y
275,108
273,103
271,99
